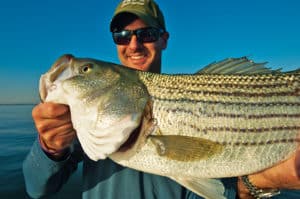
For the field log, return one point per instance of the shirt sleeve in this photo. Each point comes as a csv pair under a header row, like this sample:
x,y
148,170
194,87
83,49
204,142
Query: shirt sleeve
x,y
230,185
44,176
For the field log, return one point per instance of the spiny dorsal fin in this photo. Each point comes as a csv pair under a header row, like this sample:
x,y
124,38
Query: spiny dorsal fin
x,y
207,188
240,65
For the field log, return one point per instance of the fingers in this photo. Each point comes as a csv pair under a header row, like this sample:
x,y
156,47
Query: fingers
x,y
53,123
59,138
49,110
243,192
297,163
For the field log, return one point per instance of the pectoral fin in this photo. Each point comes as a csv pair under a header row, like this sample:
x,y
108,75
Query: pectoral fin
x,y
185,148
207,188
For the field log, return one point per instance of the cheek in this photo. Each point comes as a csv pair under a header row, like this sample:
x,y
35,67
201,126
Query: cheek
x,y
155,52
120,50
121,53
155,48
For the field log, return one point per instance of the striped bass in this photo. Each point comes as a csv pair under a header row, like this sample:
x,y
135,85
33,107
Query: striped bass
x,y
232,118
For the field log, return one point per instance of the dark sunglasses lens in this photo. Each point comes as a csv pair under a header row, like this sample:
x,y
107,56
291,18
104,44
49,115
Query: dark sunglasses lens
x,y
144,35
148,35
122,38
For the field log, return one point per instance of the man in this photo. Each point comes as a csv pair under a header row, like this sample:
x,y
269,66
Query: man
x,y
140,34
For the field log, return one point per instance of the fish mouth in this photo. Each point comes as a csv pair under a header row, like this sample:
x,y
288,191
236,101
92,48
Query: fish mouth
x,y
60,70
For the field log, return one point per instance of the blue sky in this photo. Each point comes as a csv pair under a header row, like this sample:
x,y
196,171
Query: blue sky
x,y
34,33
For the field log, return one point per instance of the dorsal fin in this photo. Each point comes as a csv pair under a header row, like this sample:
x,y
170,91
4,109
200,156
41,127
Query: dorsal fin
x,y
240,65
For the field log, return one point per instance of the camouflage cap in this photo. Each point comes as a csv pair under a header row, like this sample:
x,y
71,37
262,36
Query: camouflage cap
x,y
147,10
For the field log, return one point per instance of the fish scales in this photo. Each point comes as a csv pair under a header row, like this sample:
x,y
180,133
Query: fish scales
x,y
232,118
203,87
254,113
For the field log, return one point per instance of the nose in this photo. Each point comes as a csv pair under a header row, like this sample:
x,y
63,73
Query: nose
x,y
134,43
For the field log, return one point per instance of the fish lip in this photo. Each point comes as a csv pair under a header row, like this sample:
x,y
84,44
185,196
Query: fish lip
x,y
43,88
60,65
47,79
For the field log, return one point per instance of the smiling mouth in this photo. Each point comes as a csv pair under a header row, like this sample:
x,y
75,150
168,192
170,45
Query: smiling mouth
x,y
137,60
137,57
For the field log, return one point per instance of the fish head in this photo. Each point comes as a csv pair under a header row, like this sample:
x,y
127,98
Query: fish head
x,y
78,76
89,81
103,97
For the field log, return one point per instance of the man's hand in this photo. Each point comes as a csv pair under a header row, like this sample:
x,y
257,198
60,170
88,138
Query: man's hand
x,y
54,126
285,175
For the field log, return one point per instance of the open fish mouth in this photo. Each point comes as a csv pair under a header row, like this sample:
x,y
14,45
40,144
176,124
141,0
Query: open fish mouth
x,y
59,71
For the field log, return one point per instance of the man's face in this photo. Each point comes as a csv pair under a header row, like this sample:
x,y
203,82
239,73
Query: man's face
x,y
142,56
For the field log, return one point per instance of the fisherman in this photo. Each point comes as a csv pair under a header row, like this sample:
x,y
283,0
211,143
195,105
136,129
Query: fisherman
x,y
140,35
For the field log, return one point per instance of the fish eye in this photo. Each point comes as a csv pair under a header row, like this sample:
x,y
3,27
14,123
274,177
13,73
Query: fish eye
x,y
86,68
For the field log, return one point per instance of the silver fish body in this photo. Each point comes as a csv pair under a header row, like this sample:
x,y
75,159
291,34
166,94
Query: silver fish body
x,y
232,118
255,119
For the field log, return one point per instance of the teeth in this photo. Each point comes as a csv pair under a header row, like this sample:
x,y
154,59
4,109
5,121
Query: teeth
x,y
137,57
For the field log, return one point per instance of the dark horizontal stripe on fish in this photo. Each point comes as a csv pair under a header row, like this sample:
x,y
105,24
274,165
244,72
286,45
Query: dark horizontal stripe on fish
x,y
260,143
240,130
257,104
231,115
227,85
231,93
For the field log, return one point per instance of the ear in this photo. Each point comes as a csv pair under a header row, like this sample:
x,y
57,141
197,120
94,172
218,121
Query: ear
x,y
165,38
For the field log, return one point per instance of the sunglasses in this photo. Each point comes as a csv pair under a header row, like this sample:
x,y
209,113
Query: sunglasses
x,y
144,35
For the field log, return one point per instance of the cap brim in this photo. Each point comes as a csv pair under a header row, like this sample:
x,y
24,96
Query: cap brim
x,y
148,20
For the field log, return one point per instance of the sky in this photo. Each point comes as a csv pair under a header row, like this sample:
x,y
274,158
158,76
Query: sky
x,y
34,33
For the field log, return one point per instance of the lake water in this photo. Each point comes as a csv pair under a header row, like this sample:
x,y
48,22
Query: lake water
x,y
17,133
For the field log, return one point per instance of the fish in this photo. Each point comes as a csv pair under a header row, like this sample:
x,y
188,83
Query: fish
x,y
231,118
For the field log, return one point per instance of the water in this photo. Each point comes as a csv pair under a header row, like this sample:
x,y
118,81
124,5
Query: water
x,y
17,133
